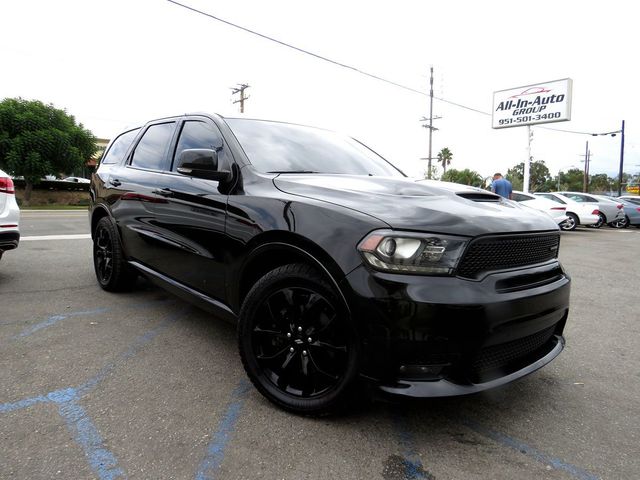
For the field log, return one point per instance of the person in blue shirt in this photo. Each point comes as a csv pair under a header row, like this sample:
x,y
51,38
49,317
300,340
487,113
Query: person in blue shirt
x,y
501,186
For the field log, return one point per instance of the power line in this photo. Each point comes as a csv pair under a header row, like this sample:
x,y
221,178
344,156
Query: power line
x,y
576,132
357,70
321,57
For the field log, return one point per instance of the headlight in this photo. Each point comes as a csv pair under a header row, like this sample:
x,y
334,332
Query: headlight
x,y
408,252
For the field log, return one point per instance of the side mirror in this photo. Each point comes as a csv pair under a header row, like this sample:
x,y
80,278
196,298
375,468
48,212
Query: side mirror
x,y
201,163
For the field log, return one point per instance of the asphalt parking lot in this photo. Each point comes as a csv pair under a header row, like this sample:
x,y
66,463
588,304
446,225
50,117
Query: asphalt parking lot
x,y
142,385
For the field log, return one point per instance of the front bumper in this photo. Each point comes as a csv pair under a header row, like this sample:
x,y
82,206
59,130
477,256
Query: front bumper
x,y
441,336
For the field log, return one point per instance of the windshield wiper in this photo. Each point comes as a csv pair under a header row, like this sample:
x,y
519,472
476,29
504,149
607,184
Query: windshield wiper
x,y
293,171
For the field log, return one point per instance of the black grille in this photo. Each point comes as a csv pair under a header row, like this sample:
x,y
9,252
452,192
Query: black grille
x,y
495,357
498,253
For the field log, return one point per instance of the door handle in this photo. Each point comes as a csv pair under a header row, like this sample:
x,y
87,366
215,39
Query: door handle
x,y
165,192
115,182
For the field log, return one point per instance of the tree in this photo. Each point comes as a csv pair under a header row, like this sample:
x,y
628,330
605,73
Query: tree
x,y
572,180
464,177
538,176
600,183
444,157
626,180
38,139
435,173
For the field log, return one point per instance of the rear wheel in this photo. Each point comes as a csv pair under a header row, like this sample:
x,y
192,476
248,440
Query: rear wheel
x,y
620,223
112,270
297,342
570,223
601,221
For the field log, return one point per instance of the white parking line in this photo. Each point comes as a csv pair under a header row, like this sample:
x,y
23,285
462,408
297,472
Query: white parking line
x,y
80,236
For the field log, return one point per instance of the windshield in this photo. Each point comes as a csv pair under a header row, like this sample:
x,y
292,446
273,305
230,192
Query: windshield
x,y
285,148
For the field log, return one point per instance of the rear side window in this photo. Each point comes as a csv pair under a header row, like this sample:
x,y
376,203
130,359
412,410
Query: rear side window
x,y
552,197
119,147
151,151
520,197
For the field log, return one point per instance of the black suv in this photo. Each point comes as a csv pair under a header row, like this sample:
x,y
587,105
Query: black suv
x,y
336,267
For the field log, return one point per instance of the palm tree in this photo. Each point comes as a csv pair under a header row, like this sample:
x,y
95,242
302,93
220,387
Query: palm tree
x,y
444,157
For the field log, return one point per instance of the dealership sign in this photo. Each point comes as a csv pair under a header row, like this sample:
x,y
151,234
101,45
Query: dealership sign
x,y
532,104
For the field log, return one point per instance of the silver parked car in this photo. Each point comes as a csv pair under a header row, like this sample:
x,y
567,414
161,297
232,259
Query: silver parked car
x,y
609,212
631,212
631,198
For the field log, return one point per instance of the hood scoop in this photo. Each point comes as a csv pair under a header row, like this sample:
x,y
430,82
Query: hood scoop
x,y
480,197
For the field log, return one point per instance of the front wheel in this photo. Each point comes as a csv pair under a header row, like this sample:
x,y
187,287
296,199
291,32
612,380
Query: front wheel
x,y
297,341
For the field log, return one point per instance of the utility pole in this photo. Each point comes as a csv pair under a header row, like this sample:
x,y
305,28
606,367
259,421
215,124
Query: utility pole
x,y
588,170
430,125
240,89
585,180
621,160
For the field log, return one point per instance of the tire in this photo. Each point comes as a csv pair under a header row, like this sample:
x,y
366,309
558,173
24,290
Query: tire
x,y
570,223
622,223
113,272
601,221
297,342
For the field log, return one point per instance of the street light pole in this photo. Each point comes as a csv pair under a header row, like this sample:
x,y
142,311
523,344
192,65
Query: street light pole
x,y
621,160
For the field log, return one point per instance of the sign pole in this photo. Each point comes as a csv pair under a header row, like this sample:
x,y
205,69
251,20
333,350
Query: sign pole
x,y
527,162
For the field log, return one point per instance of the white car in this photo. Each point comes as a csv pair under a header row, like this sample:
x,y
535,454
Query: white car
x,y
577,213
553,209
608,211
9,215
76,180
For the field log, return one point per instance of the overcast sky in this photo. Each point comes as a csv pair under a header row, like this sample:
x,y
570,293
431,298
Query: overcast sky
x,y
117,63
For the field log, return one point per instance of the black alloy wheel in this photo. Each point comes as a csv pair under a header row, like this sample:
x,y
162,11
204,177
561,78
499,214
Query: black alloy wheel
x,y
296,341
112,270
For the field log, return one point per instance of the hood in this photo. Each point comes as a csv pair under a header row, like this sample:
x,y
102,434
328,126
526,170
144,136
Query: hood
x,y
425,205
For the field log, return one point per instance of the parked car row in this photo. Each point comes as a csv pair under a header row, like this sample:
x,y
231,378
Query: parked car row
x,y
53,178
587,209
